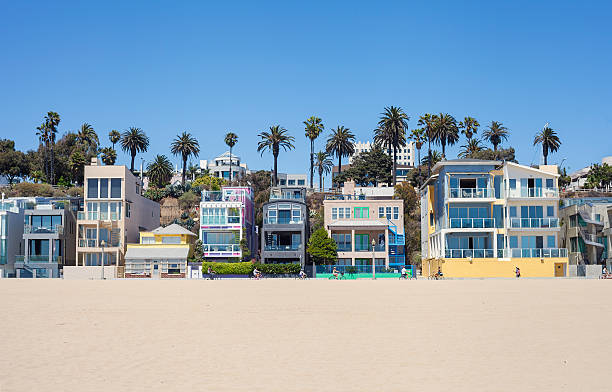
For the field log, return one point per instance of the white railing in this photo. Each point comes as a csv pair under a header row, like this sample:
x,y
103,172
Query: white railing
x,y
535,253
471,193
469,253
472,223
533,192
30,229
220,248
533,223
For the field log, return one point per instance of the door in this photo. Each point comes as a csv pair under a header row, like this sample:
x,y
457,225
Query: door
x,y
155,269
559,269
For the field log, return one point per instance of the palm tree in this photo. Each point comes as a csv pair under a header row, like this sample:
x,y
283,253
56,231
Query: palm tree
x,y
231,139
159,171
324,165
52,119
109,155
273,141
446,131
185,145
114,136
469,127
87,137
496,133
549,140
418,136
314,127
340,143
468,150
432,159
392,126
134,140
192,170
77,162
42,132
426,121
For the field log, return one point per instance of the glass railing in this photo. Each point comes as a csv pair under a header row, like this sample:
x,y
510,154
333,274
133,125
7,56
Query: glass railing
x,y
533,223
467,253
377,248
282,248
536,253
89,243
212,196
286,196
472,223
533,192
354,269
345,248
276,221
29,229
471,193
221,247
38,259
345,197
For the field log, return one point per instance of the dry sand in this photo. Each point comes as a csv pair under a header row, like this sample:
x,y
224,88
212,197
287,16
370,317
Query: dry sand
x,y
286,335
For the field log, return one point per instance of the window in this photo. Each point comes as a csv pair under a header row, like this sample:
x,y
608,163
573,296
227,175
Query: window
x,y
512,212
296,216
512,183
92,211
347,213
301,182
550,211
233,215
549,183
291,182
214,216
171,240
341,213
115,211
334,213
550,242
362,242
103,188
388,209
147,240
128,210
272,217
396,213
381,212
513,242
283,182
115,188
598,217
284,217
361,212
343,241
92,188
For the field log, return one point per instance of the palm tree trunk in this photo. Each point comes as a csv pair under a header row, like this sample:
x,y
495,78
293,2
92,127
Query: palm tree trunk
x,y
230,176
394,166
429,158
443,149
545,155
133,157
184,169
419,165
321,181
311,163
52,165
275,179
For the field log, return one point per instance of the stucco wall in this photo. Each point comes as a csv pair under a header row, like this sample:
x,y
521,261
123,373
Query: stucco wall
x,y
89,272
492,268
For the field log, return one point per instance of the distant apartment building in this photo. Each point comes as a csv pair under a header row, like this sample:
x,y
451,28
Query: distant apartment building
x,y
366,227
114,214
11,231
49,238
161,253
292,180
579,177
485,218
226,218
406,156
220,166
285,230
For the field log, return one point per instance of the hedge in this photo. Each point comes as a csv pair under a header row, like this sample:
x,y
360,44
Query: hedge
x,y
246,268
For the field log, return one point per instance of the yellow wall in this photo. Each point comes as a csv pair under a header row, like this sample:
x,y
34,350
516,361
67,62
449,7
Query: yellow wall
x,y
492,268
431,200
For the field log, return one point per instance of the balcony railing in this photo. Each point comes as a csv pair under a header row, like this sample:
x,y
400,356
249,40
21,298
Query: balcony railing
x,y
221,248
276,221
471,193
212,196
286,196
467,253
92,243
282,248
345,197
377,248
535,253
533,192
38,259
345,248
472,223
533,223
54,229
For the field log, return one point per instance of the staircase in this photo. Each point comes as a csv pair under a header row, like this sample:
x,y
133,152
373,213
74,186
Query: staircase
x,y
396,257
588,238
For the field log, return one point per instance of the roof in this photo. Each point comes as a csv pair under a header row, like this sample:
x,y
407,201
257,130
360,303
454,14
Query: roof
x,y
173,229
535,169
358,223
466,161
157,252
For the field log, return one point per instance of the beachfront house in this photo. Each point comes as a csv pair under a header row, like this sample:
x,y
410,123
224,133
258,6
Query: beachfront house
x,y
485,218
11,230
220,166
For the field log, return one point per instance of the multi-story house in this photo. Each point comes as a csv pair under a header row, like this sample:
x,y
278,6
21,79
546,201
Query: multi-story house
x,y
406,156
161,253
220,166
584,223
284,235
114,213
49,238
227,217
292,180
11,230
366,227
485,218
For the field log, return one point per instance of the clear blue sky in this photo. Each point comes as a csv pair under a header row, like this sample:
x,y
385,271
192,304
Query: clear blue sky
x,y
213,67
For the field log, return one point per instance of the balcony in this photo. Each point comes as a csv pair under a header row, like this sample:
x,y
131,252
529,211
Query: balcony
x,y
345,197
93,243
283,248
287,195
377,248
275,221
233,248
212,196
535,253
55,229
469,253
472,223
533,223
38,259
471,193
536,193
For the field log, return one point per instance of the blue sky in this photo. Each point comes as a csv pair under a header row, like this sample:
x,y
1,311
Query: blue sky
x,y
209,68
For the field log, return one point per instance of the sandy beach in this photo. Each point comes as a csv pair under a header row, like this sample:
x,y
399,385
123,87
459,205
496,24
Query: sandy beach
x,y
286,335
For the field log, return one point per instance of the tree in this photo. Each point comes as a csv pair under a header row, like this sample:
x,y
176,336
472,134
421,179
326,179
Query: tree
x,y
109,156
185,145
314,127
470,149
426,121
391,132
134,140
42,132
321,248
368,168
114,136
273,141
324,166
208,182
432,159
88,139
412,216
231,139
549,140
419,137
446,131
160,171
469,127
496,133
490,155
52,120
77,164
13,164
340,143
599,176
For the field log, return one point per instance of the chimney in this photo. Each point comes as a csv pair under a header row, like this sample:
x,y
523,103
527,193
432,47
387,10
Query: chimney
x,y
348,188
552,169
94,161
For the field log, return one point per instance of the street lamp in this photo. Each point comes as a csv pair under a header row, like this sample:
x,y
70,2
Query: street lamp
x,y
102,245
373,259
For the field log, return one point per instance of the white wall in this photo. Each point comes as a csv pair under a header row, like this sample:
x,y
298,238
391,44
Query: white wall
x,y
89,272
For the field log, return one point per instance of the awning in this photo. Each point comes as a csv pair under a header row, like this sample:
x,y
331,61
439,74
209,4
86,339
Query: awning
x,y
156,253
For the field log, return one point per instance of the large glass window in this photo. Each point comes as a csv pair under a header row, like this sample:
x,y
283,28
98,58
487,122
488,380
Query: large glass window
x,y
104,210
115,188
388,212
334,213
343,241
103,188
284,217
550,211
396,213
92,188
233,215
171,240
296,216
550,241
92,211
361,212
272,217
381,212
362,242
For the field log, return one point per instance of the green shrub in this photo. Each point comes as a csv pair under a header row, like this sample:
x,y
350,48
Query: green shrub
x,y
278,269
245,268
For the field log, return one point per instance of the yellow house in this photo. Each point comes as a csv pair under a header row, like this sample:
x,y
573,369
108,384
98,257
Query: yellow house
x,y
161,253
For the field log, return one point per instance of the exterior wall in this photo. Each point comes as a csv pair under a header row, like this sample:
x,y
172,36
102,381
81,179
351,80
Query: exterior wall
x,y
11,232
493,268
220,166
293,180
405,156
89,272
